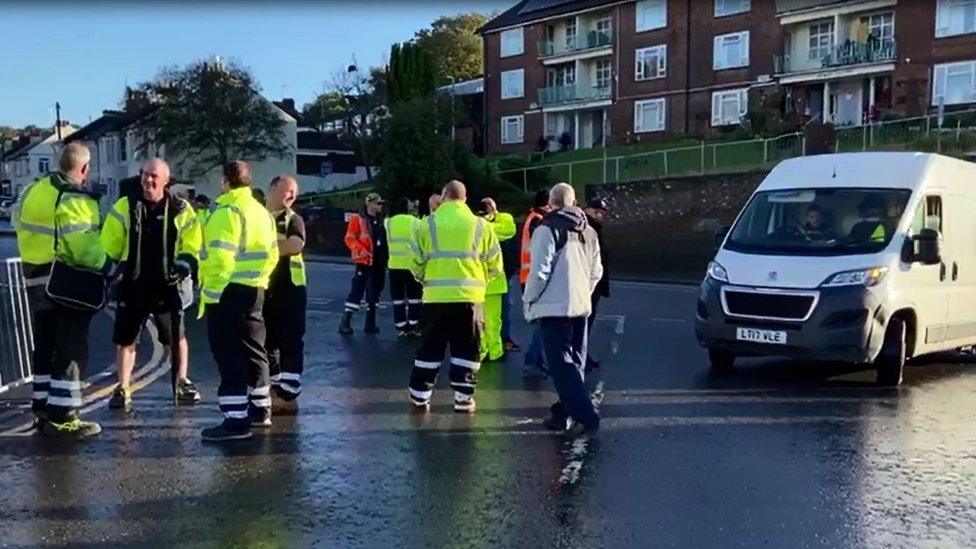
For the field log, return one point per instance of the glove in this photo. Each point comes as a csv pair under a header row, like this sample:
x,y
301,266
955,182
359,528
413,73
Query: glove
x,y
181,269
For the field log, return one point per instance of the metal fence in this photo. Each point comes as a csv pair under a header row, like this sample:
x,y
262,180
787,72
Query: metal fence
x,y
16,338
956,135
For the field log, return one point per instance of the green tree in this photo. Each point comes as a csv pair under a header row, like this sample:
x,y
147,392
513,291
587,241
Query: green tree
x,y
210,113
328,106
410,74
415,154
455,45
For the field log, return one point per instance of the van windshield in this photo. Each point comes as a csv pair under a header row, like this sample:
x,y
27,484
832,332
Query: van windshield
x,y
834,221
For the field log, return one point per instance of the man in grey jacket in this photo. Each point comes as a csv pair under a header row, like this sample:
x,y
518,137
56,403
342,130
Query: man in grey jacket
x,y
564,272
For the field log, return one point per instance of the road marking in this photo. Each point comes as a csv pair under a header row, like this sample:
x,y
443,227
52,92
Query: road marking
x,y
661,319
637,285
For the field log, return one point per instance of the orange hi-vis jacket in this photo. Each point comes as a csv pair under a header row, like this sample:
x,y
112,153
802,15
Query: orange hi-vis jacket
x,y
359,239
526,254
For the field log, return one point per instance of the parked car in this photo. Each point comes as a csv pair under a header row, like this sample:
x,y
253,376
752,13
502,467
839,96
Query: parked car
x,y
862,258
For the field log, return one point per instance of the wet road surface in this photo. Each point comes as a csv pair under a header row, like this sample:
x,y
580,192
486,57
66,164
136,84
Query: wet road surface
x,y
773,454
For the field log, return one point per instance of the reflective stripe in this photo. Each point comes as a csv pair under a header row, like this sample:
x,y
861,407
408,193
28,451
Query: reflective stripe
x,y
415,301
232,400
399,253
492,254
290,389
427,365
39,395
465,363
249,256
399,301
42,379
432,227
352,306
452,255
462,282
71,228
259,391
264,402
64,402
421,396
235,414
119,217
222,245
40,281
399,240
400,324
66,384
245,275
212,294
479,231
189,224
416,249
290,376
32,228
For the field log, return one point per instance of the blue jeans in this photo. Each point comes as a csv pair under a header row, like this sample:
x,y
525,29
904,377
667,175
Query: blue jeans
x,y
535,361
565,343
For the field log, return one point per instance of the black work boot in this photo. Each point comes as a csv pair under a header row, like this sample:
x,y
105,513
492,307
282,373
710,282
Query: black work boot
x,y
371,327
345,326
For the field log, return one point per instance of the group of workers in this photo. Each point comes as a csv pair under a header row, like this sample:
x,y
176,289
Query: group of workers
x,y
449,283
154,250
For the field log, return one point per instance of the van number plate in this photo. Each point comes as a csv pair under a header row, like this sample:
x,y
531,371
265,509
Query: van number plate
x,y
761,336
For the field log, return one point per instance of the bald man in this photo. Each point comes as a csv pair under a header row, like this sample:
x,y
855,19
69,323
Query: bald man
x,y
157,237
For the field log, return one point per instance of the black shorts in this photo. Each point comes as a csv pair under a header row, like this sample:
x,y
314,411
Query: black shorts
x,y
137,304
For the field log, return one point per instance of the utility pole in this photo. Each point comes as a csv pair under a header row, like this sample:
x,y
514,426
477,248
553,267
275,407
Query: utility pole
x,y
57,118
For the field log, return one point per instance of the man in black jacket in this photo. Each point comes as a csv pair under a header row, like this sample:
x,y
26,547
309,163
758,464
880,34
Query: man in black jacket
x,y
596,214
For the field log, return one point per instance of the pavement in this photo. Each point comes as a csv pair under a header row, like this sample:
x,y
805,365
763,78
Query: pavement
x,y
775,453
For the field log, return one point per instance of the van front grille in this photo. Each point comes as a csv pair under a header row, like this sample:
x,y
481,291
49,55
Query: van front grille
x,y
783,306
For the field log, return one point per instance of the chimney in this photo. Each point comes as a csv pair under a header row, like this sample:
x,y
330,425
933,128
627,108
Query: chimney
x,y
135,100
289,103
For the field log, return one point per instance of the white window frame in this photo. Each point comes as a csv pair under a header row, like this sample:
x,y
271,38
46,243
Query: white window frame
x,y
571,36
641,8
940,79
603,66
507,139
606,23
820,50
720,118
718,46
661,50
512,42
43,165
641,125
883,24
506,76
724,8
944,22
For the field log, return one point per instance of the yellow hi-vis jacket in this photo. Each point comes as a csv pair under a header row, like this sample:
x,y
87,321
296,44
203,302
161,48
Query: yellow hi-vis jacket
x,y
76,222
457,254
400,231
504,226
33,219
188,241
296,263
240,246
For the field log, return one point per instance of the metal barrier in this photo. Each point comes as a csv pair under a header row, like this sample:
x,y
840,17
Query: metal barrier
x,y
16,336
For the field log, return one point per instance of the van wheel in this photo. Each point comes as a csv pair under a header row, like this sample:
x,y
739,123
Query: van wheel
x,y
894,353
721,361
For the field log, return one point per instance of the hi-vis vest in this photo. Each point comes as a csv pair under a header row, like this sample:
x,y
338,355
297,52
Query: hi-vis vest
x,y
240,246
504,226
296,263
117,238
456,255
400,236
525,256
33,219
359,239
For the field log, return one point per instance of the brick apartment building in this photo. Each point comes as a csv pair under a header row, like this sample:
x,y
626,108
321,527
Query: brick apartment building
x,y
583,71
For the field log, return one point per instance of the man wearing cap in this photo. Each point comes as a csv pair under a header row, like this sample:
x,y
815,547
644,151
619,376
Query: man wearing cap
x,y
366,240
596,214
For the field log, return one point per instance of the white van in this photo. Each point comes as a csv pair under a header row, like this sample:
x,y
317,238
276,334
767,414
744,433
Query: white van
x,y
863,258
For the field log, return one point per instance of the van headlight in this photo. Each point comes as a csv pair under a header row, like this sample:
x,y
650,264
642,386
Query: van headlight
x,y
717,272
862,277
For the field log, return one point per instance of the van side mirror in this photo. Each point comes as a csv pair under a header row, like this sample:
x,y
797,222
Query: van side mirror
x,y
719,236
928,247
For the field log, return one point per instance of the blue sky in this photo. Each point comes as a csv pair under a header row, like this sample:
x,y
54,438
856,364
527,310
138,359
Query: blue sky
x,y
83,54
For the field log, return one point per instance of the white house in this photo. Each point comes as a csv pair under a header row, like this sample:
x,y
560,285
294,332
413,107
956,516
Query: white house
x,y
34,159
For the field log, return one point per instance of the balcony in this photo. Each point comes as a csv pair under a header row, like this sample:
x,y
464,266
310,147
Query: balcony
x,y
847,54
560,95
576,44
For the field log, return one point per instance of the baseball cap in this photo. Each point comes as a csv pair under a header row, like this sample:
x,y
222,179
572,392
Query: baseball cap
x,y
374,197
599,204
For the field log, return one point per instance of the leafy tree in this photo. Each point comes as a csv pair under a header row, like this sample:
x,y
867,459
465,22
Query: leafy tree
x,y
415,154
211,113
454,44
410,74
328,106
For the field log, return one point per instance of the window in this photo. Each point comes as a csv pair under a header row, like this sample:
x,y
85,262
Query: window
x,y
954,83
123,145
649,116
882,26
651,62
604,27
571,33
513,85
513,42
731,51
43,165
729,106
954,17
604,73
652,14
731,7
821,40
512,129
928,215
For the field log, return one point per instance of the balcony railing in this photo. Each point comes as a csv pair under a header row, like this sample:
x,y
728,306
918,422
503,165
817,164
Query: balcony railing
x,y
589,41
555,95
847,54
